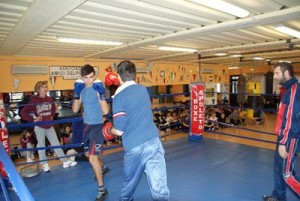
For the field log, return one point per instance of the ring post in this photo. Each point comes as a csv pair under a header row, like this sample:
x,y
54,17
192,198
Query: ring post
x,y
197,111
7,168
17,182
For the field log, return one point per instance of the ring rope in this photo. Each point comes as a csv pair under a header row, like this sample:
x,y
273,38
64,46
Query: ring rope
x,y
59,121
242,128
169,95
173,133
249,138
63,146
57,158
167,108
48,159
10,126
49,147
170,125
14,177
4,189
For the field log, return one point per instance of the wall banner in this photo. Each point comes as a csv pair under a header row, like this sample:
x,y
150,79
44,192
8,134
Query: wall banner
x,y
197,109
68,72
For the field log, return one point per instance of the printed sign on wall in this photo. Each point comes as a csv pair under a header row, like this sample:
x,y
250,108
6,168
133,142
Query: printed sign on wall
x,y
68,72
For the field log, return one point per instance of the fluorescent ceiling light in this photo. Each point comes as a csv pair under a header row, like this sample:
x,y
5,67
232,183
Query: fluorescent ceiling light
x,y
220,54
236,55
233,67
280,61
87,41
288,31
224,7
258,58
176,49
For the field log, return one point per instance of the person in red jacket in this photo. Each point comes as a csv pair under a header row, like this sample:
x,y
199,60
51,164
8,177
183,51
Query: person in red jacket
x,y
288,131
42,108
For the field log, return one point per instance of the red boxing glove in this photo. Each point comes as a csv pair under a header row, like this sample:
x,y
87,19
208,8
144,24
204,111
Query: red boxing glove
x,y
107,80
111,78
106,131
116,80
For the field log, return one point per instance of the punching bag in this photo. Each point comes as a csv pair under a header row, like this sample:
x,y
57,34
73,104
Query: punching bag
x,y
269,85
269,82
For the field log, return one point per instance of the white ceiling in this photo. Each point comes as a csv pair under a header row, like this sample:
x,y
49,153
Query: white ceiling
x,y
31,27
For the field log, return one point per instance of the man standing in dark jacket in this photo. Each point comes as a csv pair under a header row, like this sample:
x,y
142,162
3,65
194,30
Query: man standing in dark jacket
x,y
288,131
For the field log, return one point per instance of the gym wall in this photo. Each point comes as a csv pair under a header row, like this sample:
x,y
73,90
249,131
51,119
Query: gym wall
x,y
161,74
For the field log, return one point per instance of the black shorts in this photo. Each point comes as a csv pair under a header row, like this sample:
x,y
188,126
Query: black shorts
x,y
93,138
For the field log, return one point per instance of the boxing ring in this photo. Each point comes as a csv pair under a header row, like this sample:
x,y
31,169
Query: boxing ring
x,y
212,169
215,170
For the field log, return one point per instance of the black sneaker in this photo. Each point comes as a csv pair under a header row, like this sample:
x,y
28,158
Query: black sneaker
x,y
105,170
101,195
269,198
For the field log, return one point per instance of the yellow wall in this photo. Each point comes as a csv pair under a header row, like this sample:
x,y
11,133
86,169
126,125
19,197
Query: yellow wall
x,y
174,73
259,69
27,82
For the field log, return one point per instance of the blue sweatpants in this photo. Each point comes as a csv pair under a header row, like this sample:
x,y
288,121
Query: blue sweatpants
x,y
148,158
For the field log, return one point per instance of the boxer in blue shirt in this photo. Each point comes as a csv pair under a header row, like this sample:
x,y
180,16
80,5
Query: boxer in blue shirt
x,y
90,92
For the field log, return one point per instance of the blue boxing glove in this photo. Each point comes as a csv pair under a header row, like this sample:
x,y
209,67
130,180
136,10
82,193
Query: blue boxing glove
x,y
98,86
78,86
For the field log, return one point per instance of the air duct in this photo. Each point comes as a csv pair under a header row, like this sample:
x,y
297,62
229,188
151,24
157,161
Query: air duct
x,y
29,70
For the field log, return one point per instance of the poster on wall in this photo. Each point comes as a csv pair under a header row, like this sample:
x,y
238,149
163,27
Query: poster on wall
x,y
197,115
68,72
